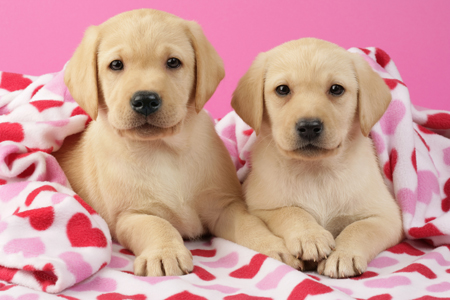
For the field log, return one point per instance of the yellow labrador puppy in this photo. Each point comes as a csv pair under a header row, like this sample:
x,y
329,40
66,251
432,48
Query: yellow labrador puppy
x,y
151,163
315,179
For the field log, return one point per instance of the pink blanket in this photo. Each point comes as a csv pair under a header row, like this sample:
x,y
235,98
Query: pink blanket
x,y
52,242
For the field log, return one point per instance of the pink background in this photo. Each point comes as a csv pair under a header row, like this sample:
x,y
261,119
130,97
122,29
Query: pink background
x,y
38,37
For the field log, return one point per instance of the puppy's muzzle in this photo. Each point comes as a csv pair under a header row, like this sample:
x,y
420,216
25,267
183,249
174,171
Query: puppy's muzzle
x,y
145,102
309,129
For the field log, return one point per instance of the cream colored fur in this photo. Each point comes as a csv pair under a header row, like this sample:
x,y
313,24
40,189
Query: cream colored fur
x,y
330,205
165,177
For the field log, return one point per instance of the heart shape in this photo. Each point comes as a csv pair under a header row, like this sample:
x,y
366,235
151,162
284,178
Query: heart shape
x,y
446,201
13,82
405,248
11,132
250,270
40,218
308,287
81,233
419,268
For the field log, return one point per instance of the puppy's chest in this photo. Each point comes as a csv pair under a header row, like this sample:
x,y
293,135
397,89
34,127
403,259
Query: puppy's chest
x,y
327,197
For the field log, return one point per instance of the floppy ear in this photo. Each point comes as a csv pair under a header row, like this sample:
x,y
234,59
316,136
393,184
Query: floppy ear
x,y
208,66
81,73
374,95
248,97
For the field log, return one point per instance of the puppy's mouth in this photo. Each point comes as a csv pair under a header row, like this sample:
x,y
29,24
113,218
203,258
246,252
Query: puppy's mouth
x,y
147,131
310,152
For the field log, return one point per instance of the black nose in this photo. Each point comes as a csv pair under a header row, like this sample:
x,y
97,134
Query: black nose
x,y
309,129
145,102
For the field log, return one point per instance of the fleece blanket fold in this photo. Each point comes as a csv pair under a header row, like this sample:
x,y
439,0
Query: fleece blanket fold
x,y
53,245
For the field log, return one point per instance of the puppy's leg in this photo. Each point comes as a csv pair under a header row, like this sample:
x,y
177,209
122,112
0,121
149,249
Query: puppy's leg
x,y
358,244
234,223
158,246
304,237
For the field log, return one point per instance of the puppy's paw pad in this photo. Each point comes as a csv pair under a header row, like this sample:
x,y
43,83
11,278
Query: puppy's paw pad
x,y
312,245
342,265
167,261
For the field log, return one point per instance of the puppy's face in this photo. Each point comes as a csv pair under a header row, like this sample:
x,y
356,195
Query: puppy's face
x,y
311,99
314,94
144,71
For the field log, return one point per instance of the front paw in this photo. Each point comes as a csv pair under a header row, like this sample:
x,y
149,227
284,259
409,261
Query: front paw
x,y
275,248
342,264
167,260
315,244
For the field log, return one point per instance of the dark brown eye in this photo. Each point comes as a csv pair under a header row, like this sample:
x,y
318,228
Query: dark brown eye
x,y
173,63
116,65
282,90
337,90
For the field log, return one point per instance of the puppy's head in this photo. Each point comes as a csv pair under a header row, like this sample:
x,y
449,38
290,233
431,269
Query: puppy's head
x,y
311,94
145,70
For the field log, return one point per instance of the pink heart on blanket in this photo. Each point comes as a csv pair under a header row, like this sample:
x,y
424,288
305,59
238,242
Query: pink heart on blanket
x,y
388,283
30,247
77,265
227,261
392,117
81,233
22,297
446,152
98,284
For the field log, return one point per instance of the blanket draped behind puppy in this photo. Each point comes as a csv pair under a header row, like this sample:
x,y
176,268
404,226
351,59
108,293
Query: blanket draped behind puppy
x,y
413,149
51,240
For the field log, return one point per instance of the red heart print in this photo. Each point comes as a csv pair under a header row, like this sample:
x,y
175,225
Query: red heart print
x,y
11,132
245,297
203,274
438,121
419,268
126,251
405,248
7,274
13,82
186,296
308,287
42,105
203,252
85,205
425,231
4,287
79,111
118,296
40,218
367,274
248,132
366,51
250,270
382,57
446,201
44,277
392,83
389,166
81,233
35,193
